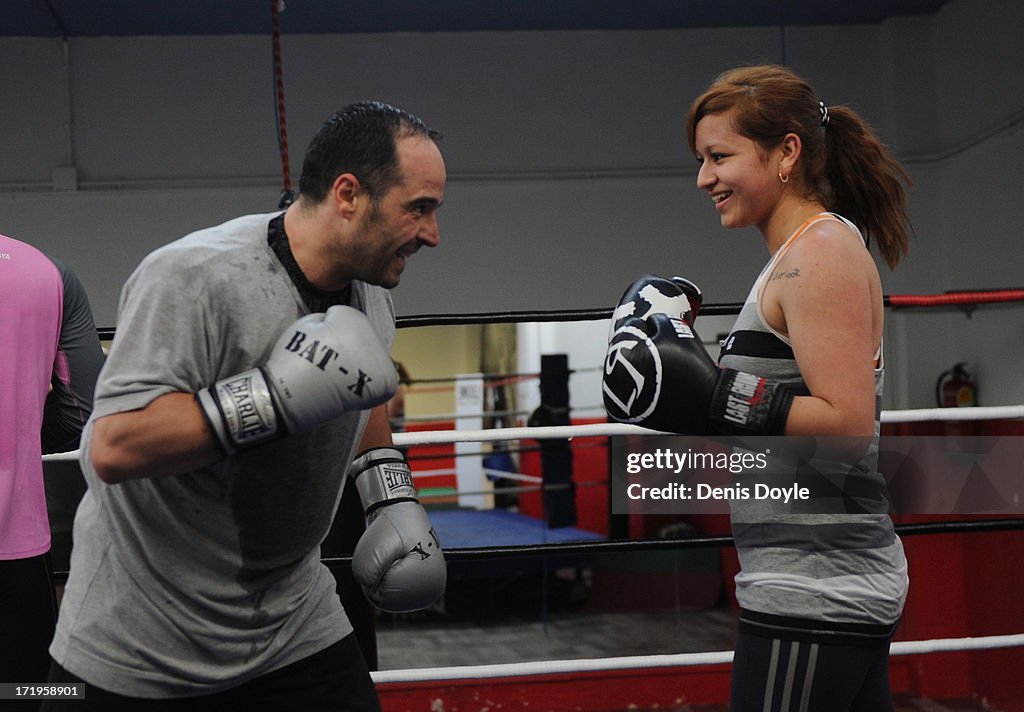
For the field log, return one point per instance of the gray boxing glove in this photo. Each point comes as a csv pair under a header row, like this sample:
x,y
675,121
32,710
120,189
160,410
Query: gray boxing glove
x,y
322,366
398,560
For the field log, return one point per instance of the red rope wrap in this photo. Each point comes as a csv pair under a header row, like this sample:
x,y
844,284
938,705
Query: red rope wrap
x,y
956,298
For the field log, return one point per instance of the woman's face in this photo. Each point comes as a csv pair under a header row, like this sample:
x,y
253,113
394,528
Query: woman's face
x,y
742,182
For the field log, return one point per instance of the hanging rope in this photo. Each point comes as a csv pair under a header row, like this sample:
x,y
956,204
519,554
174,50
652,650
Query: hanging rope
x,y
287,196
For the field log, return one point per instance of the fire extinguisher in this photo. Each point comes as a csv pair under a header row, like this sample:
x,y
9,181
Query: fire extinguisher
x,y
955,389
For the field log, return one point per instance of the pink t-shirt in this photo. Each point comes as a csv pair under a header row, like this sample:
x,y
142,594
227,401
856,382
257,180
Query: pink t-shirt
x,y
31,304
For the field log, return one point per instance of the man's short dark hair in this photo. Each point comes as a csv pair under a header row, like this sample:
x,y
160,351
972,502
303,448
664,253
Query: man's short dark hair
x,y
359,139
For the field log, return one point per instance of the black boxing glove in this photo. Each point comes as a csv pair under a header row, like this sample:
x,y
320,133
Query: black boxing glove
x,y
658,374
651,294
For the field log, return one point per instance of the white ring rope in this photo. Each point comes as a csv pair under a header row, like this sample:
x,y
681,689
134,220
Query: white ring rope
x,y
424,474
991,412
546,432
1001,412
568,432
552,667
506,475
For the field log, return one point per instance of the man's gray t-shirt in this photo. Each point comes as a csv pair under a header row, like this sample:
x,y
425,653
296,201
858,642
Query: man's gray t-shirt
x,y
194,583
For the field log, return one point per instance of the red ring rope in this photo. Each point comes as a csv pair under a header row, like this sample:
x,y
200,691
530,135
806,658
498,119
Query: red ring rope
x,y
956,298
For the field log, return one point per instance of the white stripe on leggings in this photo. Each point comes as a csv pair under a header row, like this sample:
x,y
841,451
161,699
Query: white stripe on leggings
x,y
787,690
812,660
772,667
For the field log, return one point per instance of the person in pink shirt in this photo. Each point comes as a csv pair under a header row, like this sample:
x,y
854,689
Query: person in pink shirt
x,y
31,307
42,352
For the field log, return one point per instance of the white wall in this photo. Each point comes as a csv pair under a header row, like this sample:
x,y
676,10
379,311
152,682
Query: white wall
x,y
569,170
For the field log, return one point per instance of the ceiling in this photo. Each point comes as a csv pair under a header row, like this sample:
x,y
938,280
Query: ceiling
x,y
102,18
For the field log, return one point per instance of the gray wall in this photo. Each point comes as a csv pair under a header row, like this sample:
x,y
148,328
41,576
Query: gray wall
x,y
569,173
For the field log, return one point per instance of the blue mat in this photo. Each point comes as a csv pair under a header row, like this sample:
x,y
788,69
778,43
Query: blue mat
x,y
463,528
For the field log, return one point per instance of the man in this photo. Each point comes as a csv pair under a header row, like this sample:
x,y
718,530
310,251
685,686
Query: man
x,y
250,361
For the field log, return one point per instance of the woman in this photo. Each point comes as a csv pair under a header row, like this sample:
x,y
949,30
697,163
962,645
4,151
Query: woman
x,y
820,594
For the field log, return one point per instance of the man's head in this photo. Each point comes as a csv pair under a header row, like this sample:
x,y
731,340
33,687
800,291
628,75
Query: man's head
x,y
359,139
375,177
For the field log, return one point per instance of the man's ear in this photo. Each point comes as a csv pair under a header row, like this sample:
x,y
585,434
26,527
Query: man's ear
x,y
345,193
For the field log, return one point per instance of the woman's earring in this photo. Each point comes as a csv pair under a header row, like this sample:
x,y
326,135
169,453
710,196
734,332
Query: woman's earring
x,y
784,180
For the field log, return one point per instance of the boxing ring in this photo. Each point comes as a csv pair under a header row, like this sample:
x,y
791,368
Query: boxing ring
x,y
673,680
933,656
963,629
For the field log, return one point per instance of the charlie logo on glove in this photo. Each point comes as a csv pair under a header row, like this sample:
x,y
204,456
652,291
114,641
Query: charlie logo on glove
x,y
396,478
247,408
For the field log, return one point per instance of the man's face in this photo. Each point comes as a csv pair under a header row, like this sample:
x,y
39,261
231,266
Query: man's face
x,y
404,218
